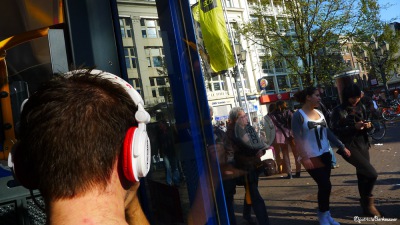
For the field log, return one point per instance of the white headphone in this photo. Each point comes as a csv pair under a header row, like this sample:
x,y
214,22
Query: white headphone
x,y
136,152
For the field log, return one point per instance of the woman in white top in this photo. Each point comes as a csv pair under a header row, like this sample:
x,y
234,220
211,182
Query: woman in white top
x,y
312,136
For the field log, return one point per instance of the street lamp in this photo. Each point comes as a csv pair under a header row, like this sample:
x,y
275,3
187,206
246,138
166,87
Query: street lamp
x,y
381,55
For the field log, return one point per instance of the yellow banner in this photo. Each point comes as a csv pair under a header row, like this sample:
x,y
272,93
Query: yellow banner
x,y
215,36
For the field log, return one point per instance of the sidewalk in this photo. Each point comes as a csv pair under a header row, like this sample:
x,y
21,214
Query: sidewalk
x,y
295,201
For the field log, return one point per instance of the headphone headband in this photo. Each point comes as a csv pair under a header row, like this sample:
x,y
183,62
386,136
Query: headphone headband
x,y
141,115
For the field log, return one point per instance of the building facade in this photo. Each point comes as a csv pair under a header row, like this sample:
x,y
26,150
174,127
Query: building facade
x,y
147,69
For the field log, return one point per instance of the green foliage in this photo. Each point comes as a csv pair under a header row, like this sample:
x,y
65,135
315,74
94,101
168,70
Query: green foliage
x,y
376,61
306,33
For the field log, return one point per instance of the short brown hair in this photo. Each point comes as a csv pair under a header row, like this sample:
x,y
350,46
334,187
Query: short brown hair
x,y
72,131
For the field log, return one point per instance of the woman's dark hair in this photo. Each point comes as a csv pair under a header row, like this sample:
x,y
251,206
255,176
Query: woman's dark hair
x,y
281,105
271,108
350,91
300,96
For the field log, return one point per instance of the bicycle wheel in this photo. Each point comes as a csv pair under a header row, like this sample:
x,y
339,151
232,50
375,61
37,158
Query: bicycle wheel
x,y
379,130
387,115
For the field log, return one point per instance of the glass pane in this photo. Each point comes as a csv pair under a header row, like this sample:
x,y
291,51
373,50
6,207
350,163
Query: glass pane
x,y
271,86
151,32
127,62
150,23
161,91
155,51
217,86
160,81
133,60
157,61
282,83
148,62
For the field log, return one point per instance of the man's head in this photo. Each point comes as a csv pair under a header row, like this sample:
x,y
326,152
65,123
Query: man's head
x,y
72,132
238,116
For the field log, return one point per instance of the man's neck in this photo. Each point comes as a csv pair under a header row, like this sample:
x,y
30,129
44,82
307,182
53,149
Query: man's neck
x,y
96,206
92,208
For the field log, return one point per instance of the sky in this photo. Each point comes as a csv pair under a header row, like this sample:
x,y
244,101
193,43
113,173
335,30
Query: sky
x,y
392,12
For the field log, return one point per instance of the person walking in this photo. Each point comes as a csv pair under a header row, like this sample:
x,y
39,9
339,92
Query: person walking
x,y
284,138
312,138
166,143
243,140
349,124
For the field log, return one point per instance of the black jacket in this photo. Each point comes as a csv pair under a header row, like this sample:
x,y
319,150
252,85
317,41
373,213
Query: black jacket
x,y
343,122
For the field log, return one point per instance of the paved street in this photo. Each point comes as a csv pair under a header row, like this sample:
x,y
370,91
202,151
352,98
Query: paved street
x,y
294,201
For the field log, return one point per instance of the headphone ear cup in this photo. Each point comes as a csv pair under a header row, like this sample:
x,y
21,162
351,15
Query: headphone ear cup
x,y
127,156
21,169
136,153
141,151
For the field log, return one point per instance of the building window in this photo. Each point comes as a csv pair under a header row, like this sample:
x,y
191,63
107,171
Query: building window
x,y
125,24
235,34
217,83
161,91
130,57
150,28
281,25
229,3
294,81
266,66
160,81
279,66
135,82
155,56
152,82
282,83
157,61
154,93
217,86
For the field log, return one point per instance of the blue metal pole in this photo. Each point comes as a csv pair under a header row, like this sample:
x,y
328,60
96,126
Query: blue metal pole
x,y
191,109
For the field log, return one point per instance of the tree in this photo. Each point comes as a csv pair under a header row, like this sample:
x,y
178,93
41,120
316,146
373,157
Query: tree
x,y
371,55
304,29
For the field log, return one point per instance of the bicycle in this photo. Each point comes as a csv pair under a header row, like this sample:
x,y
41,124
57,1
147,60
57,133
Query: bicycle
x,y
378,124
391,111
379,129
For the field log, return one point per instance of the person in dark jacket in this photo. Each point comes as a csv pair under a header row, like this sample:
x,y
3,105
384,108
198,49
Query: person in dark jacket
x,y
349,124
248,148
